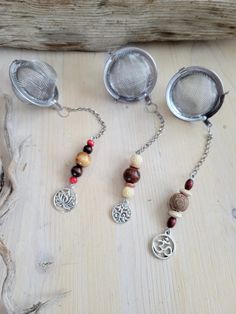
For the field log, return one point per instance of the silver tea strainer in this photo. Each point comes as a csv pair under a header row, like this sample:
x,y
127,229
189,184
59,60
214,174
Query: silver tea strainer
x,y
130,75
193,94
34,82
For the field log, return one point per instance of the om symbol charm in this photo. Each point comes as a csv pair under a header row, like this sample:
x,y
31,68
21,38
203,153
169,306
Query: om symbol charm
x,y
65,200
163,246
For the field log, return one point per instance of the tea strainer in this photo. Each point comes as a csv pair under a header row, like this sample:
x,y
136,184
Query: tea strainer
x,y
130,75
193,94
34,82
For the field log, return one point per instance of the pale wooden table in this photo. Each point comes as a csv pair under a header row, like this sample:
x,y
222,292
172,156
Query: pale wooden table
x,y
108,268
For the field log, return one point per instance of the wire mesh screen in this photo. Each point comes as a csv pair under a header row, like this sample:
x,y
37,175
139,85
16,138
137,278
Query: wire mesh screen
x,y
37,79
195,94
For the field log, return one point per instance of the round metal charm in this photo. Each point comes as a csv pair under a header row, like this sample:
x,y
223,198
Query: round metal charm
x,y
121,212
65,200
163,246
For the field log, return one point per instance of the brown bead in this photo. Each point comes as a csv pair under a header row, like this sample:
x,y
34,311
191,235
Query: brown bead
x,y
83,159
188,184
171,222
179,202
131,175
77,171
88,149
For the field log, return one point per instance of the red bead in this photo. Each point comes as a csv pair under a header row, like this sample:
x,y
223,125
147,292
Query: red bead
x,y
188,184
73,180
171,222
90,143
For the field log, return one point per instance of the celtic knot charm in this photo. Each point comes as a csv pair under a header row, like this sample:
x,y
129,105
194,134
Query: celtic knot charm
x,y
163,246
121,212
65,200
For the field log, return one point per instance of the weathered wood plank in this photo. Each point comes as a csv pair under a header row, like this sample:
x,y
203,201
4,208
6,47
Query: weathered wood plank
x,y
97,25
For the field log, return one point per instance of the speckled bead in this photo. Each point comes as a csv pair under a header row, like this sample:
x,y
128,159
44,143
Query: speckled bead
x,y
179,202
136,161
128,192
131,175
83,159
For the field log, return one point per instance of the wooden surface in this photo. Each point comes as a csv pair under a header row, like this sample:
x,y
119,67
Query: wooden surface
x,y
106,267
98,25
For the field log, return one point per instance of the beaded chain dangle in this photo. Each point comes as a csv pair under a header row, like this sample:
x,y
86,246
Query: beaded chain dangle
x,y
130,75
65,199
34,82
121,212
193,94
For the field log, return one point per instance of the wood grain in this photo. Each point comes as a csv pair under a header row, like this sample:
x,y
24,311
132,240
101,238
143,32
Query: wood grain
x,y
109,268
100,25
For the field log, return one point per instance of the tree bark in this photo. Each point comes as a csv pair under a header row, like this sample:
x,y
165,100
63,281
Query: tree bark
x,y
98,25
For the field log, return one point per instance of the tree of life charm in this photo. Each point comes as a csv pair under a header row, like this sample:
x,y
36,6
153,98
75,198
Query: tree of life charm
x,y
65,200
121,212
163,246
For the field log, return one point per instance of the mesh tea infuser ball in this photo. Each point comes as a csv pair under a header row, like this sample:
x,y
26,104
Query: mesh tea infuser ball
x,y
130,75
34,82
193,94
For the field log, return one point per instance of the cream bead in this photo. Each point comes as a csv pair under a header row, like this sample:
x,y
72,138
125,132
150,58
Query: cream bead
x,y
128,192
175,214
185,192
136,161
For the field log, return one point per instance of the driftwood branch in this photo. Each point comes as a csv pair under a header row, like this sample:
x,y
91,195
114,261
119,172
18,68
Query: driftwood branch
x,y
98,25
11,153
8,305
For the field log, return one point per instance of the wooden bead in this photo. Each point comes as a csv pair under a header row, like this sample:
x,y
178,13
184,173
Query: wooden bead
x,y
128,192
179,202
83,159
77,171
175,214
90,143
171,222
131,175
131,185
73,180
185,192
188,184
136,161
88,149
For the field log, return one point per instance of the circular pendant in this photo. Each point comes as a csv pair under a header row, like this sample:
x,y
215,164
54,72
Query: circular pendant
x,y
163,246
65,200
121,212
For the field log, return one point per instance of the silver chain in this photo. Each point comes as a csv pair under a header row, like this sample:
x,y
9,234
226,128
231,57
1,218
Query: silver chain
x,y
209,138
152,108
65,111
